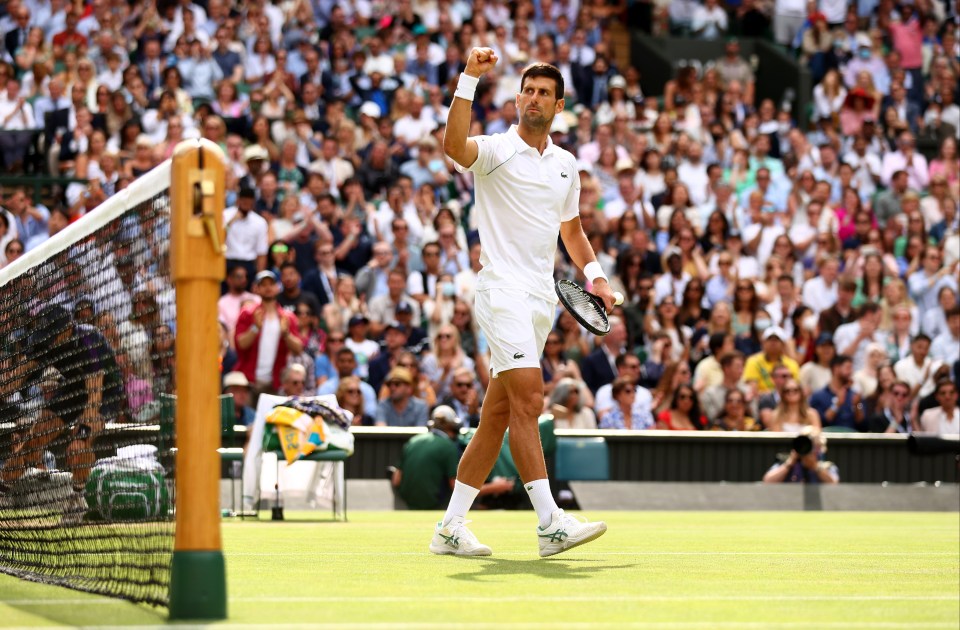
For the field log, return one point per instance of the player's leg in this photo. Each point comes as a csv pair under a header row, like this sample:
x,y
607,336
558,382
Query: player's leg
x,y
80,458
484,448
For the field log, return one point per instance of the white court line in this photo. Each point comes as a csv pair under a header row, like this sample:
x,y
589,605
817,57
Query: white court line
x,y
639,625
522,599
790,554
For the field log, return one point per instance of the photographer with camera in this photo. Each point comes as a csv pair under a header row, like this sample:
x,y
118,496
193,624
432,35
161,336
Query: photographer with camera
x,y
805,463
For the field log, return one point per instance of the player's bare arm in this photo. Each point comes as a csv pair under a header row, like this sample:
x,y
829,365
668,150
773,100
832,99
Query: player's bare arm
x,y
456,144
581,252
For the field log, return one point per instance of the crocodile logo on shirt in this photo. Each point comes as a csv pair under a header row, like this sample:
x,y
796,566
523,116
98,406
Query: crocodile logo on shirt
x,y
519,355
563,175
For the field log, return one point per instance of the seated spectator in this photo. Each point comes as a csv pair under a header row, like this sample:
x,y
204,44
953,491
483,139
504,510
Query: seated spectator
x,y
623,415
918,369
713,399
759,367
236,384
401,409
345,363
350,397
893,414
734,415
837,404
865,379
598,367
684,412
946,345
464,397
568,402
815,374
293,381
446,357
945,419
808,468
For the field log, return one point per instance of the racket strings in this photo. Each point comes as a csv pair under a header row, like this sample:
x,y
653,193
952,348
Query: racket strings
x,y
584,305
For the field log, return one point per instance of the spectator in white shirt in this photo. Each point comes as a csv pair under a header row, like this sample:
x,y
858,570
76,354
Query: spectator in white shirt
x,y
906,159
854,339
918,369
945,419
709,21
820,292
925,284
946,345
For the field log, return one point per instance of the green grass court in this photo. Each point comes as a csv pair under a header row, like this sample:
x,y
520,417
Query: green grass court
x,y
697,570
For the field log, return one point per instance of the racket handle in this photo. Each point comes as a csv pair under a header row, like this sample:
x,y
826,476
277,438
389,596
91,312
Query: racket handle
x,y
617,298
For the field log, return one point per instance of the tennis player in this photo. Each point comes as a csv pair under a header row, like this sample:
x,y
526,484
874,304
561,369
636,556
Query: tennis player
x,y
527,192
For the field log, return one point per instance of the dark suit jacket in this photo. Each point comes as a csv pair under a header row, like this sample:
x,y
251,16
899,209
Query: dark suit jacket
x,y
446,71
913,112
11,41
312,283
596,370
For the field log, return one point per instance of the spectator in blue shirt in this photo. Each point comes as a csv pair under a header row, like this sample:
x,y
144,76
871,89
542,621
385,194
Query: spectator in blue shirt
x,y
837,403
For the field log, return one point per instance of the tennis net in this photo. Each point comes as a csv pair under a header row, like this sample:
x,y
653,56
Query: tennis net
x,y
86,351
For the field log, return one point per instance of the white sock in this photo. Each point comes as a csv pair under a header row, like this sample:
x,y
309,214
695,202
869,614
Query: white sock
x,y
460,501
542,499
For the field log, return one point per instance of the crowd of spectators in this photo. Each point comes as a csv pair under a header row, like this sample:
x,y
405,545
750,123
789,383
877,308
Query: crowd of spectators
x,y
782,269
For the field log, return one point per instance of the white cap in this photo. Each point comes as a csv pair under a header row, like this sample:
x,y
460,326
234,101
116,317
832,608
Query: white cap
x,y
370,109
559,125
617,81
775,331
255,152
625,164
235,379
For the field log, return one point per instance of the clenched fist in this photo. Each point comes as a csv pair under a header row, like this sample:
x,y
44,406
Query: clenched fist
x,y
481,60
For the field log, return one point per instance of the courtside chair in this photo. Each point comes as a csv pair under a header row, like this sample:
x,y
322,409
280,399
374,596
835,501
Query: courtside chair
x,y
582,459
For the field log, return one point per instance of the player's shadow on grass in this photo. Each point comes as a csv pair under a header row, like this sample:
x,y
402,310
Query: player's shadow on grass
x,y
488,569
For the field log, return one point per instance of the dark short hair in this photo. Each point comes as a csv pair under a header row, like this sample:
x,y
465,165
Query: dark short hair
x,y
716,342
868,308
953,311
839,360
621,383
922,337
541,69
730,357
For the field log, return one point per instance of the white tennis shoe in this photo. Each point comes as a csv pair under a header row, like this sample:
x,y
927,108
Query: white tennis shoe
x,y
454,539
566,531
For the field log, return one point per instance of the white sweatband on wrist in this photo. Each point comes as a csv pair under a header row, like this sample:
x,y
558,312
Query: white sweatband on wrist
x,y
466,86
593,270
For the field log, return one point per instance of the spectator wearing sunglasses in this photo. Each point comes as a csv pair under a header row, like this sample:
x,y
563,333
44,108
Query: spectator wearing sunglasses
x,y
894,415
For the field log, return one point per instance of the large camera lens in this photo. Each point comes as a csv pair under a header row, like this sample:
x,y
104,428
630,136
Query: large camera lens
x,y
802,444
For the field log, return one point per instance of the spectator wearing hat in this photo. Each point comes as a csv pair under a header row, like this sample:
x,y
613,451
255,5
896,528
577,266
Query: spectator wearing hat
x,y
246,230
837,404
237,385
401,409
394,343
853,339
816,45
864,61
358,340
857,107
760,366
266,335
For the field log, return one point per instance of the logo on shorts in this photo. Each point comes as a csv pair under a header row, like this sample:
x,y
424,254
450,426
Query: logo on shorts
x,y
518,355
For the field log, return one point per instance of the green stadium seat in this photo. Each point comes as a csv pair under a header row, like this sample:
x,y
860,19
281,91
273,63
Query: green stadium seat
x,y
838,430
582,459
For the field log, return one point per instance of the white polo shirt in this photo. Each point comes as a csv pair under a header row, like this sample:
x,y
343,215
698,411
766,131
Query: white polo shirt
x,y
522,198
246,237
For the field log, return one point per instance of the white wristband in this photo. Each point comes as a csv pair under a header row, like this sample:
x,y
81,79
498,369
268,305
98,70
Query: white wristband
x,y
466,86
593,270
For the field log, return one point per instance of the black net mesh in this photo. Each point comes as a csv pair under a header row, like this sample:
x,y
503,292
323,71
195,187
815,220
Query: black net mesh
x,y
584,307
86,359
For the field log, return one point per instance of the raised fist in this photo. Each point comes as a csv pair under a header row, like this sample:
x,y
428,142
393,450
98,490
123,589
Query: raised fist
x,y
481,60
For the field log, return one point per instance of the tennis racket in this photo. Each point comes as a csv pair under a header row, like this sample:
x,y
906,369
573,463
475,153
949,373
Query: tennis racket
x,y
585,307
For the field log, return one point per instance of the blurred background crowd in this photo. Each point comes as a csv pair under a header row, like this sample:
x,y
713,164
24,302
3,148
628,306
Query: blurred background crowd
x,y
781,268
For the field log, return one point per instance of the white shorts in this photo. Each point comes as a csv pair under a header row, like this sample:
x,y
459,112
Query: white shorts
x,y
516,325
